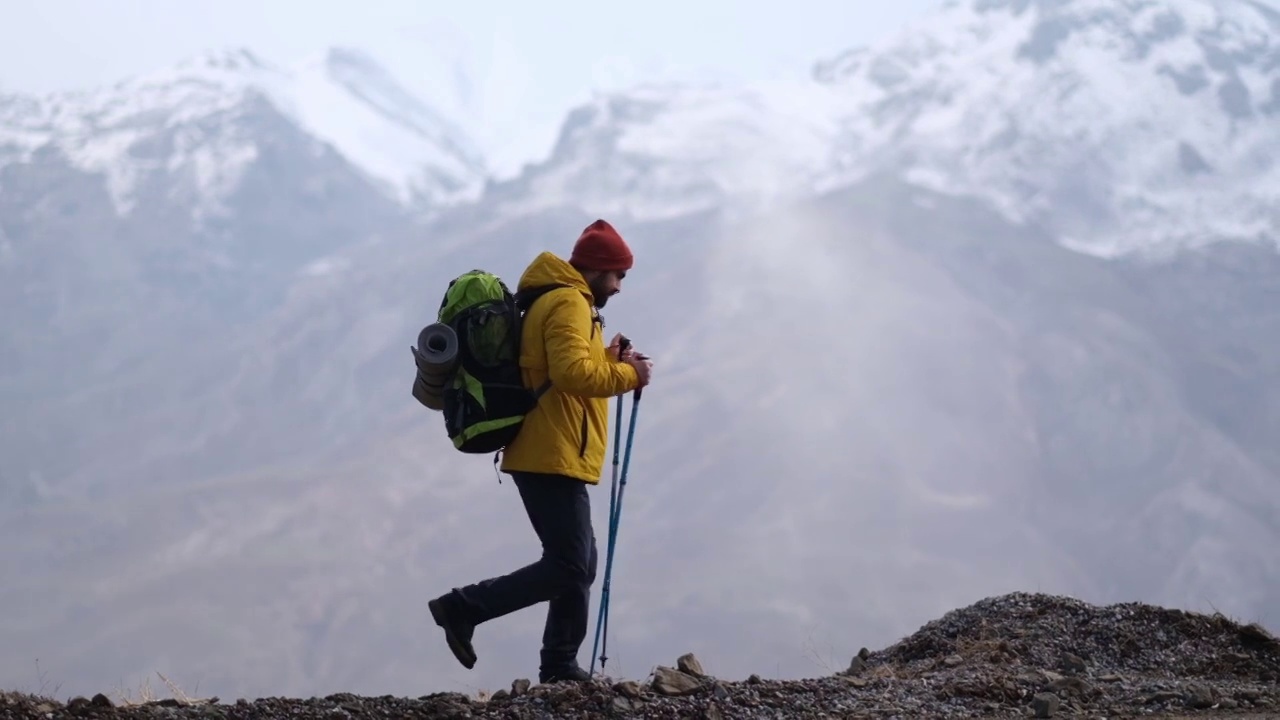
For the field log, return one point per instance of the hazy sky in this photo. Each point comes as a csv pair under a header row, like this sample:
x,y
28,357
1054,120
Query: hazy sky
x,y
526,63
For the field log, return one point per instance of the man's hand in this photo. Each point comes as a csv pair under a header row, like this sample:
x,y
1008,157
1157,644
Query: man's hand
x,y
643,367
639,361
615,349
616,352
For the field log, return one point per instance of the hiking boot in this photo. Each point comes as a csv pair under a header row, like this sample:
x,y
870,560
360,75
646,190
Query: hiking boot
x,y
456,631
572,674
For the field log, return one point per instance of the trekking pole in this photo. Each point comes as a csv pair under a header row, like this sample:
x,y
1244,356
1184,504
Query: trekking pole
x,y
615,513
613,499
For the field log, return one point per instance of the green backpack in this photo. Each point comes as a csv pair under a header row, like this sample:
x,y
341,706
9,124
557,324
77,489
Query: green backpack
x,y
483,395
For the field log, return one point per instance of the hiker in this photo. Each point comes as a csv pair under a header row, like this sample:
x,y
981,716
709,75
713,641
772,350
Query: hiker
x,y
558,452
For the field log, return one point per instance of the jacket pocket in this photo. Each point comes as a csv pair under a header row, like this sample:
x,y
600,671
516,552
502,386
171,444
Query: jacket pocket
x,y
582,444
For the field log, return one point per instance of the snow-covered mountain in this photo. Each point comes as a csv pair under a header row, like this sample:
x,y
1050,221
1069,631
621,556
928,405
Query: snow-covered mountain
x,y
1122,125
666,150
1119,125
183,123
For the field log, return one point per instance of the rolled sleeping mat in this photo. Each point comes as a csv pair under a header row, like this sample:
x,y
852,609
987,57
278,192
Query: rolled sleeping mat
x,y
435,356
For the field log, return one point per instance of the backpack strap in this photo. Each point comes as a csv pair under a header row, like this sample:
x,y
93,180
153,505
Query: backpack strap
x,y
524,300
526,297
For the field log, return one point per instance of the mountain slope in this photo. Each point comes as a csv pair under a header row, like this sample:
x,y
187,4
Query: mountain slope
x,y
969,408
1124,126
180,124
663,151
1128,126
992,658
185,268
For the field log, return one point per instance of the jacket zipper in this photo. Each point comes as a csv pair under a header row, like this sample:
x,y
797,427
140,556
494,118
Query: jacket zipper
x,y
582,450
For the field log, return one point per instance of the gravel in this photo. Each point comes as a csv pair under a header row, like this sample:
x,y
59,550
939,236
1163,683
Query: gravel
x,y
1017,655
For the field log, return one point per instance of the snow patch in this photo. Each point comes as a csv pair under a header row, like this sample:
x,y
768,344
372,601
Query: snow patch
x,y
661,151
1123,126
1084,132
197,110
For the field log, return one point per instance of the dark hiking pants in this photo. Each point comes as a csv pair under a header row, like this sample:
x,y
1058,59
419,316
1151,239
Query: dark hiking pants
x,y
560,511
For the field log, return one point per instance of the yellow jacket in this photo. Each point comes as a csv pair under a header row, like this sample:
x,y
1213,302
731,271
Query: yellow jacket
x,y
563,338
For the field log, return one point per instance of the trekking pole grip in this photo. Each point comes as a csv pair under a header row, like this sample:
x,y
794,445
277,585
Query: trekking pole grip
x,y
624,342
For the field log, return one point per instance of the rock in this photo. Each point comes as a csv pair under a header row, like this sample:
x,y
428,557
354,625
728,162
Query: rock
x,y
1071,686
1199,697
1073,663
1044,705
687,663
1254,636
1162,696
1013,663
630,688
673,682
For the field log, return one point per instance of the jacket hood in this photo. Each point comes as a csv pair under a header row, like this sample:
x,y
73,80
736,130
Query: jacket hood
x,y
548,269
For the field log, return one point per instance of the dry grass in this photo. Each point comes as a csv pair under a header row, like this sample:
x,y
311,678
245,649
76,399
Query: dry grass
x,y
45,691
147,695
990,650
883,672
823,655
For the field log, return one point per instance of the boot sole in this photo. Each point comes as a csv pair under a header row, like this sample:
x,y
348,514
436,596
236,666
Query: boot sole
x,y
460,651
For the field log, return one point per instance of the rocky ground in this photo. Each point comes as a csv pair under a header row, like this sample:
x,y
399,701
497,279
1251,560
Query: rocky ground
x,y
1017,655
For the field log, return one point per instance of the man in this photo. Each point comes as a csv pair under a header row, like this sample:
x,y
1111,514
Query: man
x,y
559,452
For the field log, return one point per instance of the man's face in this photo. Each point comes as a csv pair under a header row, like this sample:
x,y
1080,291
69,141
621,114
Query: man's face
x,y
605,285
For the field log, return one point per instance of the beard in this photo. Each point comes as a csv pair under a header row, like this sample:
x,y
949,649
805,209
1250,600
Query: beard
x,y
598,294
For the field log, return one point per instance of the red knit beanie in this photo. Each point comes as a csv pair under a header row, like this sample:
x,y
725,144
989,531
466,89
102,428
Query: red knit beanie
x,y
600,247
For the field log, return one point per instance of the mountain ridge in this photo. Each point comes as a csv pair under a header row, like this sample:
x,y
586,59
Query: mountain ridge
x,y
1055,141
1029,105
341,97
1012,655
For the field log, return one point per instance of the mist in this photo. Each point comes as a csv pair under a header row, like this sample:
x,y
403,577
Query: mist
x,y
856,423
875,399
